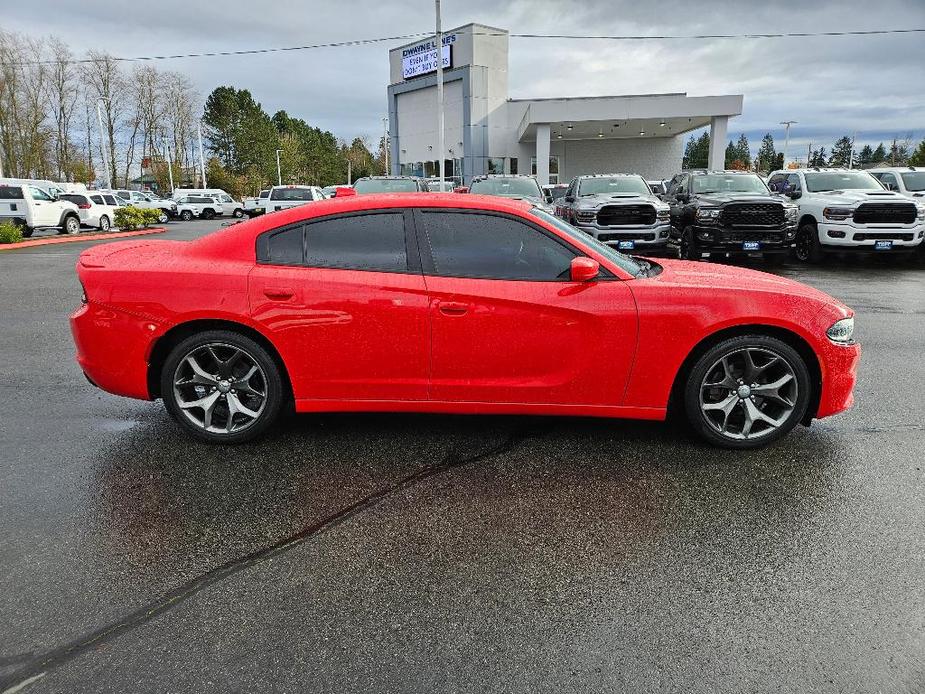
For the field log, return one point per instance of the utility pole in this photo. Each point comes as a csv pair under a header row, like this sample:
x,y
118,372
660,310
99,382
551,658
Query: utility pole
x,y
279,171
809,154
99,116
441,145
854,137
385,144
170,169
202,161
893,153
787,124
349,172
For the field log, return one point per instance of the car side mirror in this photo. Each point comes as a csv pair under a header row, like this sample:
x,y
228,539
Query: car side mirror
x,y
584,269
794,194
548,198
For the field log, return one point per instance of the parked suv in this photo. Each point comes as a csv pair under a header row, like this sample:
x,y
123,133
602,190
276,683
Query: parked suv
x,y
848,210
96,209
390,184
31,208
907,180
515,186
728,213
617,209
145,201
202,206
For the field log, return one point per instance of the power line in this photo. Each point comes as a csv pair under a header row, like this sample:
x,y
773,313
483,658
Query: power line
x,y
568,37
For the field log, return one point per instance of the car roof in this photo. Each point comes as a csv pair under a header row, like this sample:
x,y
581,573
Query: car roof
x,y
611,175
895,169
389,178
722,172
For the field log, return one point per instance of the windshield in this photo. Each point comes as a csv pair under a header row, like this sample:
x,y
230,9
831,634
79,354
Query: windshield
x,y
914,180
507,187
729,183
605,186
841,180
385,185
623,261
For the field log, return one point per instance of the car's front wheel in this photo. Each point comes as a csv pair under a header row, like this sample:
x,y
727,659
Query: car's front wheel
x,y
747,391
687,246
222,387
807,247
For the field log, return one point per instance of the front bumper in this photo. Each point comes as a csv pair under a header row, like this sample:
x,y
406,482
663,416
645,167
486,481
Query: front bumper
x,y
113,348
717,239
628,238
839,366
848,237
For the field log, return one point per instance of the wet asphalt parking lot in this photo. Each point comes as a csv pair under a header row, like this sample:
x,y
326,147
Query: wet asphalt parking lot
x,y
438,553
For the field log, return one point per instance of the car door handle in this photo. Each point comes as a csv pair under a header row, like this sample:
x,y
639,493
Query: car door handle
x,y
278,293
452,308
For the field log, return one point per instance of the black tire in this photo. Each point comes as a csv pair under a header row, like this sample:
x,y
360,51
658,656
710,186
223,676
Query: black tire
x,y
713,364
239,213
26,231
105,224
274,395
186,215
807,248
207,213
687,246
71,225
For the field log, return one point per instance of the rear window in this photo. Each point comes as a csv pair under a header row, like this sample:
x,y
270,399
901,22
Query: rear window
x,y
76,199
11,193
385,185
291,194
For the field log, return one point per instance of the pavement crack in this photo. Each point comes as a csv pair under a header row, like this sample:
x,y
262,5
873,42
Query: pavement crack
x,y
38,665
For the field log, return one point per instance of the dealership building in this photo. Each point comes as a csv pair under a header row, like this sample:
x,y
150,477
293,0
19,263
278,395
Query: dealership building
x,y
485,131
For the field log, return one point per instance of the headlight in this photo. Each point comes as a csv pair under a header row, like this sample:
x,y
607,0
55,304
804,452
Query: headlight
x,y
841,331
790,213
663,214
921,209
837,213
708,213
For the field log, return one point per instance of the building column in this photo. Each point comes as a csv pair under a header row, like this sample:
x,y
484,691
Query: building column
x,y
542,153
716,161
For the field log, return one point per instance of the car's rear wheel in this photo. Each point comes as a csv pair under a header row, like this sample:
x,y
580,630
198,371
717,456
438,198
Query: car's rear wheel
x,y
71,225
807,247
748,391
207,214
186,215
239,213
687,247
222,387
105,224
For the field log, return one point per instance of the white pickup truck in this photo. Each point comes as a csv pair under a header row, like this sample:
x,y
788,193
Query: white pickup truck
x,y
31,208
255,206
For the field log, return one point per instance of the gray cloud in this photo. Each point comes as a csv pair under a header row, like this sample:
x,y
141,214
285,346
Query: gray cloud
x,y
872,85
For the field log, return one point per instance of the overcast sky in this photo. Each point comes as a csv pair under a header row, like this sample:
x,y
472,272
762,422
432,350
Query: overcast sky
x,y
872,85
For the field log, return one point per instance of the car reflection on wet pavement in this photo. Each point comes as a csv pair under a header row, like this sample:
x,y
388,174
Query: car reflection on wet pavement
x,y
405,552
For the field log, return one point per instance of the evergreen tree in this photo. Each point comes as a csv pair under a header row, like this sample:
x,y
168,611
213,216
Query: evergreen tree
x,y
767,155
743,150
731,155
918,156
817,158
879,154
865,156
841,152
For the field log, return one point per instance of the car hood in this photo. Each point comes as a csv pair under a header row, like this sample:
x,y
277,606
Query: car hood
x,y
711,277
854,197
723,198
595,202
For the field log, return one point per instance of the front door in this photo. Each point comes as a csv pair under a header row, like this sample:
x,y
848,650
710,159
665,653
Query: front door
x,y
346,304
509,325
45,212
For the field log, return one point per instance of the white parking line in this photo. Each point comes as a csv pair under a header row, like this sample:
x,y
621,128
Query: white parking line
x,y
22,685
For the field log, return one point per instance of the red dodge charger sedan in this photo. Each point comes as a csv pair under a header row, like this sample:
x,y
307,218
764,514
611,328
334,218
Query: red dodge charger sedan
x,y
452,303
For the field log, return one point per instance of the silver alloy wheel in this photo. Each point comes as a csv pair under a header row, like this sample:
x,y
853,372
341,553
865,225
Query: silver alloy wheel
x,y
104,223
748,393
220,388
72,225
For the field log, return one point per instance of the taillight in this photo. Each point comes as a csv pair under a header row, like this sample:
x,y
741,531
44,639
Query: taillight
x,y
84,206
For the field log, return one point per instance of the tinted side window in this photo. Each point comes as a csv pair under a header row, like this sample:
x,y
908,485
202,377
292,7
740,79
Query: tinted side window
x,y
775,183
285,247
489,246
110,200
10,192
360,242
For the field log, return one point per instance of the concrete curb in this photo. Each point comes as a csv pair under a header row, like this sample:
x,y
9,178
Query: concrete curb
x,y
77,238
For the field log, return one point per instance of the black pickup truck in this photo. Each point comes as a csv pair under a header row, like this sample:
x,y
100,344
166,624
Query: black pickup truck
x,y
725,213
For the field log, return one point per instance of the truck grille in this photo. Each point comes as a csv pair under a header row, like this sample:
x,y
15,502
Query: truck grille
x,y
885,213
625,236
763,236
625,215
891,235
753,214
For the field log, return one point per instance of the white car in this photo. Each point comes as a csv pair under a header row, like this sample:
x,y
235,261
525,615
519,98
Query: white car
x,y
145,201
284,197
848,210
31,208
96,209
906,180
198,206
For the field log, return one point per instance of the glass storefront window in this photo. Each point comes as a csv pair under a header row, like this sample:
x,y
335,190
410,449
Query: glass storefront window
x,y
553,168
496,165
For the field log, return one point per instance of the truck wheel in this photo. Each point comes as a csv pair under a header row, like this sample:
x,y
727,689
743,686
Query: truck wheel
x,y
26,231
807,248
71,225
687,247
186,215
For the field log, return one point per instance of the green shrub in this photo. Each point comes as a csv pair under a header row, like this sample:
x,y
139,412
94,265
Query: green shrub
x,y
128,218
10,233
150,217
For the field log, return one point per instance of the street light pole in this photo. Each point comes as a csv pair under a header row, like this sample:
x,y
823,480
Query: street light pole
x,y
385,144
787,124
202,161
440,138
170,169
99,117
279,171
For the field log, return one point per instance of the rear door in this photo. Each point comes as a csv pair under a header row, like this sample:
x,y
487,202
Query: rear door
x,y
509,325
345,301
